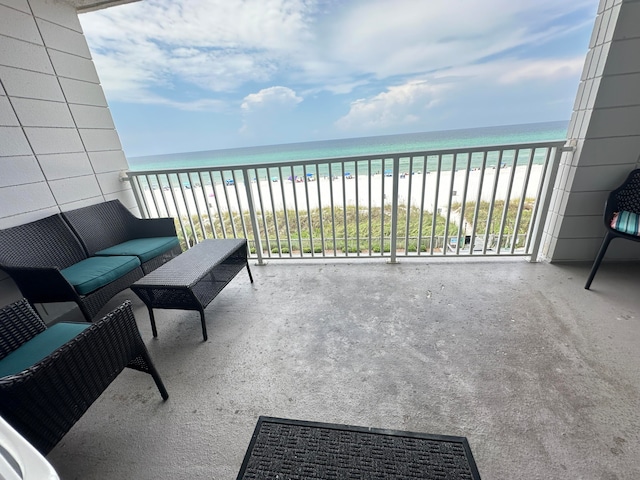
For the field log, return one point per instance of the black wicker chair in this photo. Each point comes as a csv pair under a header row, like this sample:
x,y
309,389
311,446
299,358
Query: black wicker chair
x,y
44,401
626,197
106,224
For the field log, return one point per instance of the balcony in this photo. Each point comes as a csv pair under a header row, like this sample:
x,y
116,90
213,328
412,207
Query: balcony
x,y
539,374
482,201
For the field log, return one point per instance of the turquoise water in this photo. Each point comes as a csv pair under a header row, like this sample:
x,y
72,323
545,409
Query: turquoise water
x,y
410,142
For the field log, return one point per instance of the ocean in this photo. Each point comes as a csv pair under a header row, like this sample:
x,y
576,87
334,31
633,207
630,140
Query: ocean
x,y
409,142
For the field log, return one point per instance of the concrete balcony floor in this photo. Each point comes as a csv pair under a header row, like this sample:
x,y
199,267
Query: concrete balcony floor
x,y
539,374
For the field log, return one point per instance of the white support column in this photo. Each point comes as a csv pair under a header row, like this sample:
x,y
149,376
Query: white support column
x,y
605,129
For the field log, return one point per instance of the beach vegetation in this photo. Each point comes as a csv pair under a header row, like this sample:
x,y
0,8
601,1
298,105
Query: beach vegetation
x,y
413,246
501,220
355,229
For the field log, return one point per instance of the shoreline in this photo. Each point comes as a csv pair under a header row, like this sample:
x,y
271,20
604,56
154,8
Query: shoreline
x,y
340,191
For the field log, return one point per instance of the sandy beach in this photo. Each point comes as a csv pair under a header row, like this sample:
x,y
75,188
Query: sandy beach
x,y
364,191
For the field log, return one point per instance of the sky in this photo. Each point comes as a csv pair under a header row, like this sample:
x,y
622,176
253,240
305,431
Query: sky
x,y
192,75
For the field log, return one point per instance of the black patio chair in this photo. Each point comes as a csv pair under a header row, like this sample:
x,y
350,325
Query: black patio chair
x,y
43,400
624,198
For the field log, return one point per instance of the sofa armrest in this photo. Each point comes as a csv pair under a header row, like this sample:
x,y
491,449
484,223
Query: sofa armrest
x,y
44,401
154,227
43,284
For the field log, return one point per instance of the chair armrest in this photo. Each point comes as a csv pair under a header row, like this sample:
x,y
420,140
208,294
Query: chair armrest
x,y
43,284
44,401
154,227
610,207
19,323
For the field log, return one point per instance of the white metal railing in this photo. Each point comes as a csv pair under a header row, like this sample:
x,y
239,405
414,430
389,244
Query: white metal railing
x,y
484,201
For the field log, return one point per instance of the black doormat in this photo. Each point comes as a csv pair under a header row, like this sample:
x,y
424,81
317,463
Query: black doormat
x,y
294,450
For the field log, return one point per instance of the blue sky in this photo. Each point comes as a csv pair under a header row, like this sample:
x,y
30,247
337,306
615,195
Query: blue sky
x,y
210,74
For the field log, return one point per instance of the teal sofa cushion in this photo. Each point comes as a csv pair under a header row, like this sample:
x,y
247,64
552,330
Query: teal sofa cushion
x,y
143,248
95,272
40,346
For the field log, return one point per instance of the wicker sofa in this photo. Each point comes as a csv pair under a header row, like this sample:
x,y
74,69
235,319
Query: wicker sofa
x,y
86,255
49,377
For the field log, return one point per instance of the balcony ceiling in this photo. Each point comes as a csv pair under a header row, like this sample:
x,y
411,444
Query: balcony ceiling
x,y
83,6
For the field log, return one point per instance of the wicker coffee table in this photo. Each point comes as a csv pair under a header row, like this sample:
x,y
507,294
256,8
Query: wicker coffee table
x,y
194,278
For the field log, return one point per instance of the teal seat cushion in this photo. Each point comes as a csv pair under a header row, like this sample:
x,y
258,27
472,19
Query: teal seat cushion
x,y
626,222
40,346
95,272
143,248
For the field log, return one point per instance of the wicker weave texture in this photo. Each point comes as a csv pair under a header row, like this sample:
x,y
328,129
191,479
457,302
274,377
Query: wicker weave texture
x,y
48,242
160,260
44,401
192,280
194,264
19,323
34,253
106,224
92,303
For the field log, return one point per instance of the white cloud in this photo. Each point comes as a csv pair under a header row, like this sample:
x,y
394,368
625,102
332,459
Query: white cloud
x,y
269,25
272,98
546,69
399,105
148,51
380,38
512,71
212,45
268,113
411,103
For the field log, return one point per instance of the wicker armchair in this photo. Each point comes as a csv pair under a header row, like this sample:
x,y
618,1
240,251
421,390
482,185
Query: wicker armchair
x,y
624,198
43,401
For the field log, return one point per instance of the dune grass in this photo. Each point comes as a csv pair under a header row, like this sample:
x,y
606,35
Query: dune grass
x,y
355,229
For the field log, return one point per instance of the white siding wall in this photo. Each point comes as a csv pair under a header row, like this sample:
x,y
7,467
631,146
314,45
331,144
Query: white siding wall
x,y
58,145
605,127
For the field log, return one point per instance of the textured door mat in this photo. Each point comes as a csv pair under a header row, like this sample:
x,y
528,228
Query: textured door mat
x,y
294,450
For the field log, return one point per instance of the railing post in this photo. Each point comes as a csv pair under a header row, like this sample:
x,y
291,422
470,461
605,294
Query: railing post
x,y
252,215
394,209
135,186
545,199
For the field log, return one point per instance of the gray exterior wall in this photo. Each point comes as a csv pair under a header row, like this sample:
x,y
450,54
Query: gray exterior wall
x,y
58,145
605,129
